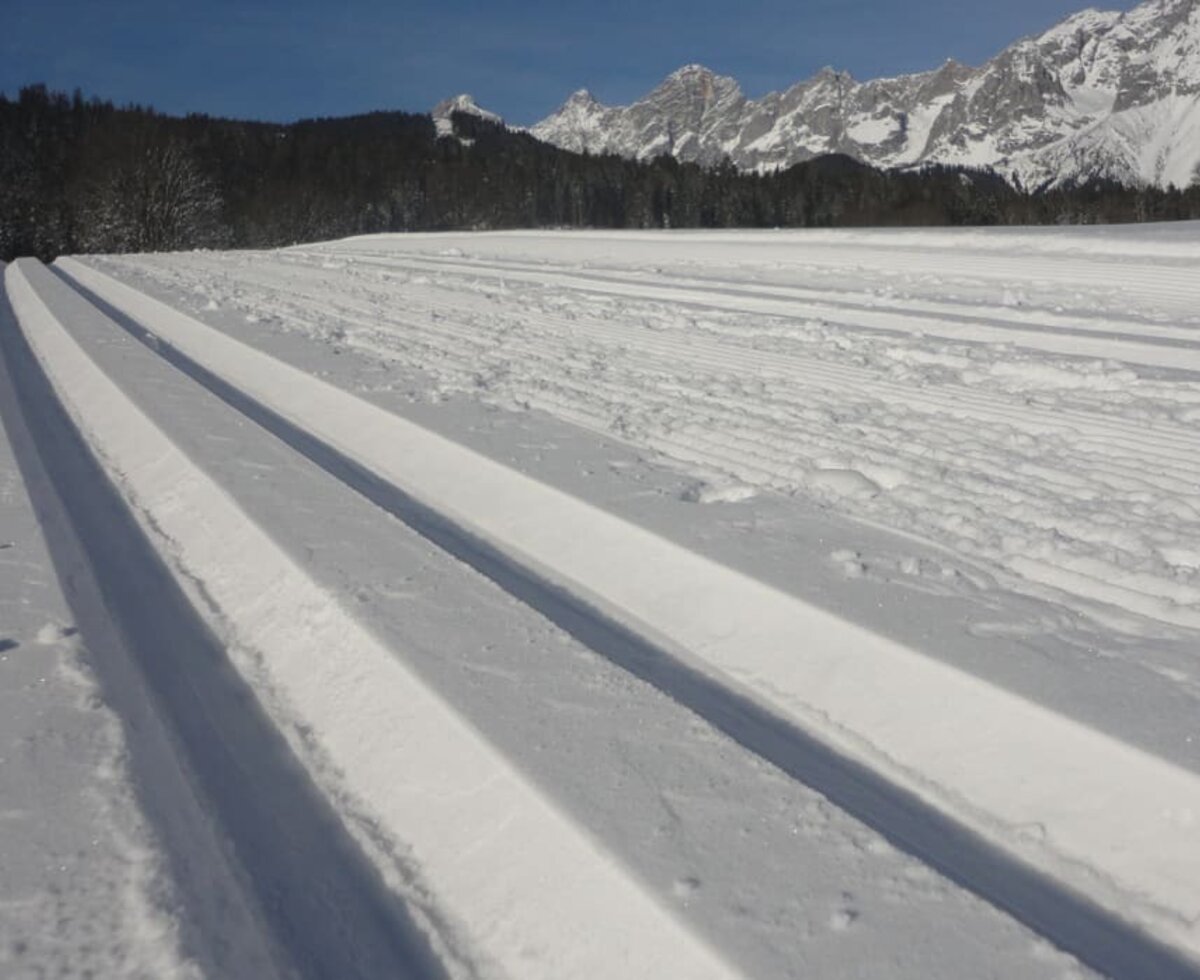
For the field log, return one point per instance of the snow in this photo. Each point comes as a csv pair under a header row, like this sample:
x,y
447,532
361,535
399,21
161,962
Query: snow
x,y
920,125
961,370
1153,144
876,704
532,889
445,109
1102,94
873,129
620,756
931,496
83,883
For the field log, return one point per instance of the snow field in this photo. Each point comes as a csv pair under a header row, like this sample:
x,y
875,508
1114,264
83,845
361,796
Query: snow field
x,y
719,830
1077,478
1135,854
533,895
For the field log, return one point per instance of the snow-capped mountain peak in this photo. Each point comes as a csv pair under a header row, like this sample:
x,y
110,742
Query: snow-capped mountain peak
x,y
443,111
1103,93
581,97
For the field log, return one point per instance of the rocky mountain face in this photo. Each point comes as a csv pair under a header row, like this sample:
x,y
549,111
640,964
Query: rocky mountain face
x,y
1102,94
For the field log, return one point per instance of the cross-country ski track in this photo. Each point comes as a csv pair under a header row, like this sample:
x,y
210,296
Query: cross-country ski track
x,y
550,605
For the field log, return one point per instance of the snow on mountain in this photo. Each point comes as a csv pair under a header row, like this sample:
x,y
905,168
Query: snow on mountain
x,y
1103,93
459,103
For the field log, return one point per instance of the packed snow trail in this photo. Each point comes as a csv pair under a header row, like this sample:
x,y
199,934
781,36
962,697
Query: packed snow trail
x,y
715,619
561,909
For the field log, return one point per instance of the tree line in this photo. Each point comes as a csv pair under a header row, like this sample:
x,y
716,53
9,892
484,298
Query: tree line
x,y
82,175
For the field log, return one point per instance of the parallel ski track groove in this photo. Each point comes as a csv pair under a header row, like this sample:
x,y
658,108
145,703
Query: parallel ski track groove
x,y
329,914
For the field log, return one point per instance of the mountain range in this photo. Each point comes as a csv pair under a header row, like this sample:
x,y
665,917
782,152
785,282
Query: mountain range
x,y
1103,94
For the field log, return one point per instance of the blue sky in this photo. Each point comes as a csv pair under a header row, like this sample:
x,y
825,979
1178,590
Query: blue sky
x,y
277,60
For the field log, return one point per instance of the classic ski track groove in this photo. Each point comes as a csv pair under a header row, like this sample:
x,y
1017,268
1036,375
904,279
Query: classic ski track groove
x,y
1054,909
327,915
599,922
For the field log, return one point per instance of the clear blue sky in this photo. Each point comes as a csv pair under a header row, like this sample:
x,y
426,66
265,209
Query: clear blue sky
x,y
287,59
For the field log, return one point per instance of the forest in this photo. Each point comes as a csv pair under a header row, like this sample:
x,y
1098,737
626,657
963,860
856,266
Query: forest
x,y
82,175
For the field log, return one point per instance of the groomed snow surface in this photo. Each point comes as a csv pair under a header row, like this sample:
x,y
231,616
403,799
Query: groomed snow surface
x,y
605,605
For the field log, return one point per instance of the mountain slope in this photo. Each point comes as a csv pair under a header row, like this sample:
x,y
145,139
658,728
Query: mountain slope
x,y
1104,94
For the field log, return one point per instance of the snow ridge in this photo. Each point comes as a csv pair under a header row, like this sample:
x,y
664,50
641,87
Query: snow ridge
x,y
1102,94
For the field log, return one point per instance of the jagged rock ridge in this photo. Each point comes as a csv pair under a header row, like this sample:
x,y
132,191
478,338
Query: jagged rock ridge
x,y
1105,94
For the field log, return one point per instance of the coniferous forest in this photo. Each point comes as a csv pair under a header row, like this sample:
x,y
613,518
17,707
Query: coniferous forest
x,y
82,175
